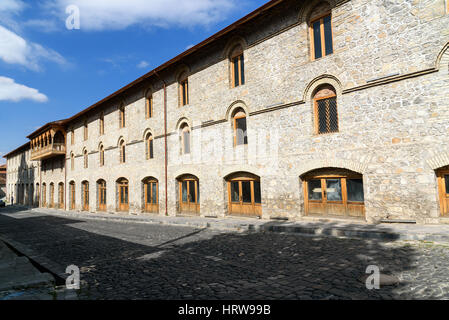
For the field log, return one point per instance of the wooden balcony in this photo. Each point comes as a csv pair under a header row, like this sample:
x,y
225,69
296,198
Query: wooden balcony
x,y
49,151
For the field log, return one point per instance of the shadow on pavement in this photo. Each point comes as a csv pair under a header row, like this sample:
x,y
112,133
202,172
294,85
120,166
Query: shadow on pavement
x,y
206,264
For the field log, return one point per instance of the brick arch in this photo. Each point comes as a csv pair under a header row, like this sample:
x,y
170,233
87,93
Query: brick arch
x,y
439,161
232,43
306,10
241,168
325,79
181,121
315,164
235,105
443,58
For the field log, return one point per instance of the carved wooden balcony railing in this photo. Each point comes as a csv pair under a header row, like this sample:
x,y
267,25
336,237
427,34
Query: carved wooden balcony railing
x,y
51,150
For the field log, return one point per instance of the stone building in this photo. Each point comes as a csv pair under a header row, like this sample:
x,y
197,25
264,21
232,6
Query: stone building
x,y
2,182
300,109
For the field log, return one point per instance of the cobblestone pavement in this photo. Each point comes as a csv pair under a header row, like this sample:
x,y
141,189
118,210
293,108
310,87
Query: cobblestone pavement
x,y
144,261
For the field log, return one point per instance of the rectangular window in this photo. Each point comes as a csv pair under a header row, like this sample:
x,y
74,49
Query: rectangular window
x,y
241,131
150,149
154,188
321,37
73,137
238,70
184,191
315,191
149,102
235,192
257,193
186,138
184,88
333,190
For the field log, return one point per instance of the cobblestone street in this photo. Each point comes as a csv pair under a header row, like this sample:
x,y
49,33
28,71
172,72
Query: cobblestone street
x,y
145,261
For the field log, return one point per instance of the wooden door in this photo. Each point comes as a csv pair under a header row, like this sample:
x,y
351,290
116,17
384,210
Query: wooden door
x,y
72,196
334,195
189,196
244,196
85,196
61,196
151,196
102,196
52,196
123,197
44,195
443,188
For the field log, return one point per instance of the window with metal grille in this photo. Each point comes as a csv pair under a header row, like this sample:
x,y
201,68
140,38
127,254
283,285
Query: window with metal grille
x,y
327,115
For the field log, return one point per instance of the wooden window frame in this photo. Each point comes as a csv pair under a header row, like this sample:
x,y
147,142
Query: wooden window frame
x,y
150,207
86,130
102,195
101,156
86,159
149,143
52,195
61,195
85,195
122,147
149,106
443,194
237,117
323,42
122,117
101,124
72,196
252,208
123,184
184,85
315,107
239,54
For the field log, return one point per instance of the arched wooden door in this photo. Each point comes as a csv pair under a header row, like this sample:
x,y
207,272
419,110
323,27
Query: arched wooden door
x,y
52,195
101,195
443,190
334,192
151,195
85,195
61,195
72,195
123,192
189,195
244,195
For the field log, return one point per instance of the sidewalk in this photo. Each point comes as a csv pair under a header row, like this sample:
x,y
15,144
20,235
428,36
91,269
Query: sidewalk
x,y
350,229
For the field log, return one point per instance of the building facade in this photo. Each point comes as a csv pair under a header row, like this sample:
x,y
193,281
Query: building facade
x,y
303,108
3,182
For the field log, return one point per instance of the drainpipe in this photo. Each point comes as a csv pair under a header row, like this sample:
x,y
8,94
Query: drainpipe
x,y
165,142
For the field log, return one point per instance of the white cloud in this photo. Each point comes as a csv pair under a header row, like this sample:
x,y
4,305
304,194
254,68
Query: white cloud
x,y
143,64
42,25
15,92
11,5
120,14
8,10
16,50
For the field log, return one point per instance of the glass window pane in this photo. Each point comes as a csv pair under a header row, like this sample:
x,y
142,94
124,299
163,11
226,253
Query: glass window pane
x,y
235,191
333,115
446,179
126,194
235,62
242,137
148,193
317,39
333,189
355,190
192,191
186,142
328,34
151,148
154,187
257,193
184,191
315,190
242,69
246,191
322,116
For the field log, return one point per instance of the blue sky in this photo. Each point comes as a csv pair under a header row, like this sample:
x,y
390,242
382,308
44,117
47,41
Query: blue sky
x,y
48,72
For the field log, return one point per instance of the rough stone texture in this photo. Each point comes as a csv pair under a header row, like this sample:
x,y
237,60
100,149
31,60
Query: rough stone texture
x,y
394,133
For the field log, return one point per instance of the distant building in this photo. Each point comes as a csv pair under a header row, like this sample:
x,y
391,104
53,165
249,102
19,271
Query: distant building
x,y
2,182
330,108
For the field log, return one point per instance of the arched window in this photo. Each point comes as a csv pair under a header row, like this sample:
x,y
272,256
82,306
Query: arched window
x,y
237,66
326,114
123,194
101,124
86,159
151,203
101,155
72,161
149,146
240,129
320,25
86,132
185,139
122,151
122,116
148,105
183,89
